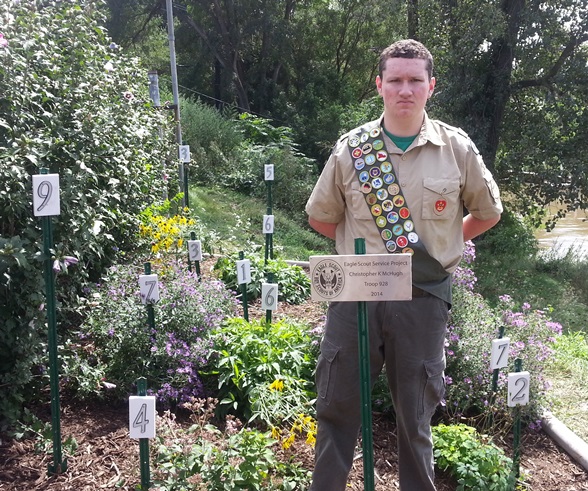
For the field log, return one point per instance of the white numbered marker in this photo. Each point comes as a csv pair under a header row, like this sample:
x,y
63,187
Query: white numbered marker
x,y
184,153
268,224
269,172
142,416
46,195
269,296
243,271
195,250
149,288
518,388
499,356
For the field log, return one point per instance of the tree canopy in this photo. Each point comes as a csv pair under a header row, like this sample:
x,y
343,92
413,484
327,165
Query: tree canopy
x,y
511,73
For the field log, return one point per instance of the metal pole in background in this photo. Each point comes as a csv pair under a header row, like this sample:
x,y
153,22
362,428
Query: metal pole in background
x,y
183,168
154,95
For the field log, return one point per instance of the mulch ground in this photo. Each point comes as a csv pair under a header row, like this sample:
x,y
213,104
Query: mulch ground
x,y
106,458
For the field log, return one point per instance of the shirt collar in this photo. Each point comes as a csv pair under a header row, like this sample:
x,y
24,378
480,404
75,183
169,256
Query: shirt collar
x,y
428,132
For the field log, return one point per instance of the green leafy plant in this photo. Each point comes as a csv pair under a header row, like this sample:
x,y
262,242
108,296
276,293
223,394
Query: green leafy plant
x,y
293,282
250,357
116,345
473,324
473,459
73,103
207,458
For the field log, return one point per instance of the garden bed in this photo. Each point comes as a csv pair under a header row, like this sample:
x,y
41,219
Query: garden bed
x,y
106,458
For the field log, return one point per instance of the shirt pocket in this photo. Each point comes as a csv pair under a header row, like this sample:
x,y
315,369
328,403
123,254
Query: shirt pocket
x,y
440,198
358,206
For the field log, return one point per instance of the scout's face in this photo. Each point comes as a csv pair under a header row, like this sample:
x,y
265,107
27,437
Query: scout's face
x,y
405,88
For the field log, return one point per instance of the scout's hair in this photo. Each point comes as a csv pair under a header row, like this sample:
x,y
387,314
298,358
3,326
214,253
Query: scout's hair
x,y
407,48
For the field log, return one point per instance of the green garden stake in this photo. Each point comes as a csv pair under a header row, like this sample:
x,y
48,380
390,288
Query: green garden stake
x,y
142,408
496,370
186,186
268,220
365,383
517,430
243,290
149,305
194,254
46,205
270,298
144,442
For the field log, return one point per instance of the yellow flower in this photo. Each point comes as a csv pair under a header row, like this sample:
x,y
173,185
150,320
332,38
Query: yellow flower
x,y
180,243
311,438
277,385
276,433
287,443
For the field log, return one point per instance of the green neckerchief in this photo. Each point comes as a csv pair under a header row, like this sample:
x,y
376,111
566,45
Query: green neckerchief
x,y
402,142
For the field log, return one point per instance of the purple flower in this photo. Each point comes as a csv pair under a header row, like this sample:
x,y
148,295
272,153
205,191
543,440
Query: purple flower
x,y
69,260
3,41
56,266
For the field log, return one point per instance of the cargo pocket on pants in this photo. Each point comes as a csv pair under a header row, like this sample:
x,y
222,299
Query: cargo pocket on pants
x,y
326,370
432,387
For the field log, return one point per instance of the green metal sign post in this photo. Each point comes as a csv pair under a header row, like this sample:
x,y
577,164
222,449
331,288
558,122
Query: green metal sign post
x,y
516,461
366,388
46,205
268,220
144,442
194,254
243,287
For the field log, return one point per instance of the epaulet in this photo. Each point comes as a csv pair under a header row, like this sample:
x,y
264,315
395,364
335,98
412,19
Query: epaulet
x,y
459,131
342,138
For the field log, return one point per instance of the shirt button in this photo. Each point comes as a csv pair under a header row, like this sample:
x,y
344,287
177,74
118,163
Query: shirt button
x,y
403,157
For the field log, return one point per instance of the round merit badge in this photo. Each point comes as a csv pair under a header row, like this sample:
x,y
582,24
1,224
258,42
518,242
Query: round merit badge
x,y
353,141
328,279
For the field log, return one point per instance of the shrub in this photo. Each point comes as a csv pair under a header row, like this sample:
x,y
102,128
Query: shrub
x,y
253,359
293,282
294,173
476,462
70,102
214,142
116,344
472,327
207,458
232,153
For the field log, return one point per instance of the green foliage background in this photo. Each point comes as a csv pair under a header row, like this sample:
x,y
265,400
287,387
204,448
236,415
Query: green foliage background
x,y
72,103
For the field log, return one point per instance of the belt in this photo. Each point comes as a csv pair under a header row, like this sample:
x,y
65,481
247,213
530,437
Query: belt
x,y
417,292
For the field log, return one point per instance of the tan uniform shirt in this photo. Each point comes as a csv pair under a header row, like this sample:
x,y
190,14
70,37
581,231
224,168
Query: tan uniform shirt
x,y
442,165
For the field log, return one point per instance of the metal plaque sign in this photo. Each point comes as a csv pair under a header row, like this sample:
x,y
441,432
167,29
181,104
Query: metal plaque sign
x,y
361,278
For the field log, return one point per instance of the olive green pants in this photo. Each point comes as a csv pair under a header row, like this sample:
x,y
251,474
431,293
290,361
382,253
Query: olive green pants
x,y
409,338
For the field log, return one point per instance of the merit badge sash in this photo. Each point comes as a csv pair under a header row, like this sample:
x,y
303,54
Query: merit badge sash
x,y
387,204
381,190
